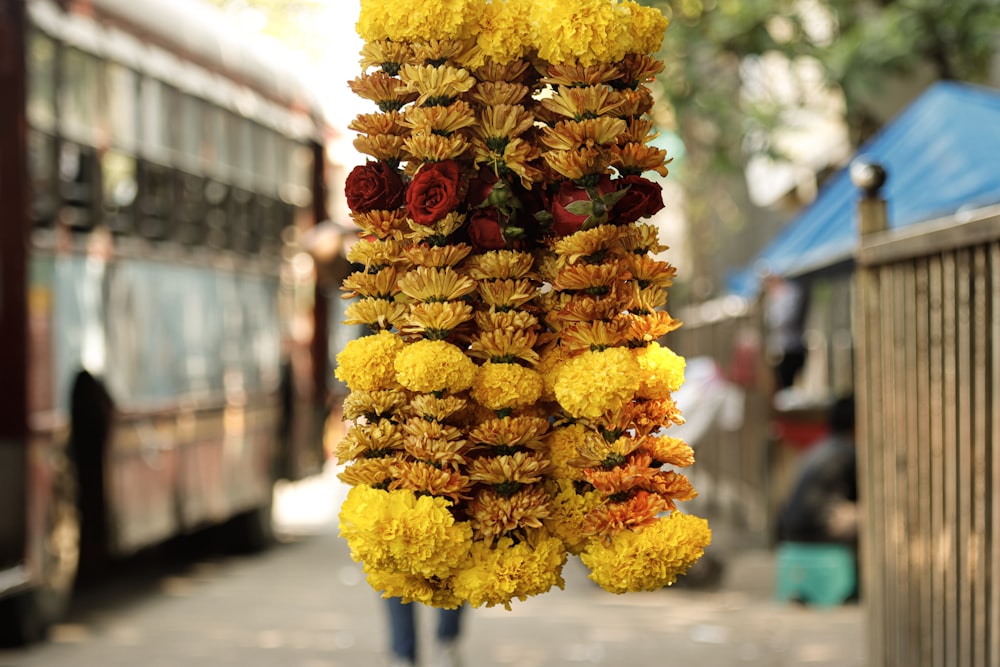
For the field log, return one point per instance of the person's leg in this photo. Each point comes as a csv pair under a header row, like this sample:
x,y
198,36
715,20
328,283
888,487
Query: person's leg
x,y
446,647
402,629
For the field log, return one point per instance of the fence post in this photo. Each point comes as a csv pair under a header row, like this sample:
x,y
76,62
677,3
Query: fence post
x,y
869,178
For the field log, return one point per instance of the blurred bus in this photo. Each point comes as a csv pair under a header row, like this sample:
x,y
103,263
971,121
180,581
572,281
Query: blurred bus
x,y
163,352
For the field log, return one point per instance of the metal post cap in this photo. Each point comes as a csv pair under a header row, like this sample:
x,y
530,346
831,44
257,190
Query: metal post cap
x,y
868,176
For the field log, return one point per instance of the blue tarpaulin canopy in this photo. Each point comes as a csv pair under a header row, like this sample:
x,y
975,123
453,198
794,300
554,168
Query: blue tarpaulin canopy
x,y
942,155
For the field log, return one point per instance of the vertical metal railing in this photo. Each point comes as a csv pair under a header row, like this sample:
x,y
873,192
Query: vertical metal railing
x,y
928,389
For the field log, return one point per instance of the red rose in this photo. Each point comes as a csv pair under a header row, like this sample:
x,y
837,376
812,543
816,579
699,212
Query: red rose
x,y
374,186
590,209
642,199
485,231
434,192
481,187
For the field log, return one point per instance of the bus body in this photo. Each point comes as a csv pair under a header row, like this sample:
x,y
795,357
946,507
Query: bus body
x,y
163,340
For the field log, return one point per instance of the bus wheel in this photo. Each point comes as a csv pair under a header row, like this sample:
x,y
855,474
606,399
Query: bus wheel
x,y
25,618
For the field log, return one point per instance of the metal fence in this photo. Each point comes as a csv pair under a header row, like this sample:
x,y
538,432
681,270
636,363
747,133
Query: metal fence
x,y
928,389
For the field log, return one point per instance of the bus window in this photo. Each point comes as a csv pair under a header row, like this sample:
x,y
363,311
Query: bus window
x,y
190,209
156,200
120,181
154,121
190,129
78,96
78,185
122,106
42,170
41,82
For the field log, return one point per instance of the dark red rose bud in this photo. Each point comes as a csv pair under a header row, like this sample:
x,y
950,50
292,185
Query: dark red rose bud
x,y
642,199
374,186
485,230
435,191
573,207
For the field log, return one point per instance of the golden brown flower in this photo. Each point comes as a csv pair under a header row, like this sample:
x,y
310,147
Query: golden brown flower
x,y
504,346
519,467
637,131
591,245
373,440
577,75
642,238
435,443
515,71
639,69
673,487
380,224
507,294
443,51
422,477
635,102
583,103
589,133
383,89
436,320
645,416
374,405
493,514
669,451
622,479
492,93
639,510
384,147
510,432
376,313
428,147
435,86
650,272
379,285
426,283
596,335
368,472
577,164
423,254
386,54
512,320
430,407
503,122
514,157
633,158
379,123
649,327
376,254
438,233
647,300
443,120
591,279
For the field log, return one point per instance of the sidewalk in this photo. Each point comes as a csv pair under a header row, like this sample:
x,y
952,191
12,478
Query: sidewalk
x,y
737,623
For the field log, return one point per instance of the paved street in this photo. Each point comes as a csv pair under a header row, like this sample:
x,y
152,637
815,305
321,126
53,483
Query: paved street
x,y
305,604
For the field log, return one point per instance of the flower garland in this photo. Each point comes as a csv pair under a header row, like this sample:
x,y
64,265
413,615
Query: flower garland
x,y
509,407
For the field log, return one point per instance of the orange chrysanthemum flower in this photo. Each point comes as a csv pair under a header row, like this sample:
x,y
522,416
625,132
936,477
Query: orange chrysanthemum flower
x,y
633,158
386,54
577,164
669,451
582,336
647,300
379,123
641,509
515,71
622,479
493,514
673,487
493,93
510,432
644,329
373,440
577,75
422,477
589,245
368,472
435,86
650,272
519,467
512,320
383,89
376,254
639,69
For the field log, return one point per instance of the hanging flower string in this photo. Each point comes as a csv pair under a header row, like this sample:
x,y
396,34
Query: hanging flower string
x,y
512,404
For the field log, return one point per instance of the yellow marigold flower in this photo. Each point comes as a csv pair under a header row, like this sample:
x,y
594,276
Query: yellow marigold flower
x,y
376,314
379,285
634,158
586,32
648,26
368,363
436,320
397,530
374,405
499,574
422,254
428,147
502,386
494,514
380,224
378,123
585,102
649,559
597,381
510,432
372,23
432,592
505,31
493,93
430,366
568,509
662,371
418,20
436,284
443,120
564,443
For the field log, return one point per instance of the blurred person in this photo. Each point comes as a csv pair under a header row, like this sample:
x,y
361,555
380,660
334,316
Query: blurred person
x,y
823,503
784,309
403,635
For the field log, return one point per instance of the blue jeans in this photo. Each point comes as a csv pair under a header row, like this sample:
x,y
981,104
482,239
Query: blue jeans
x,y
403,627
